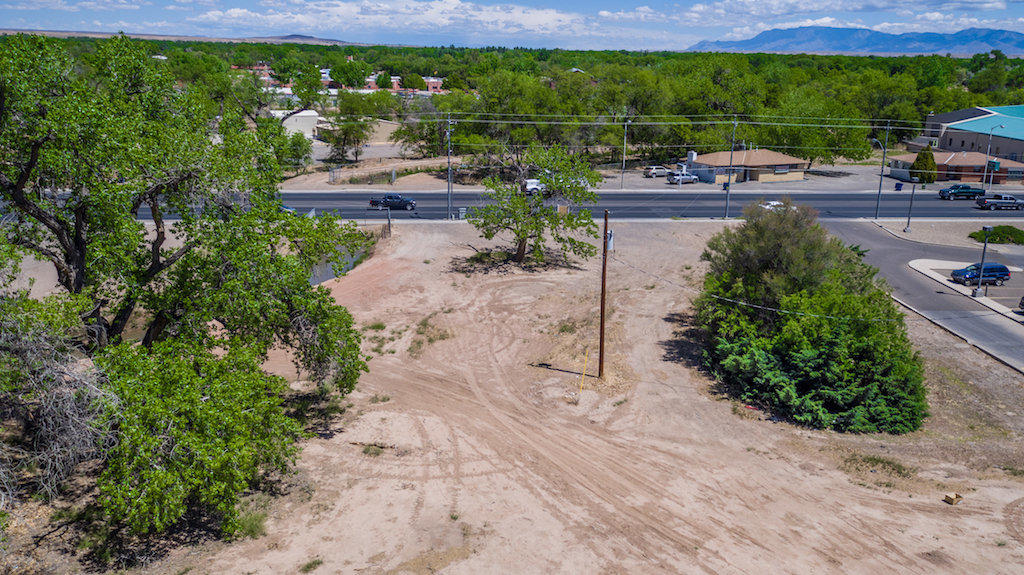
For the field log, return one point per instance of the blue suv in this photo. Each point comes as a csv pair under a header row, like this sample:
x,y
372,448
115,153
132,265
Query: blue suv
x,y
994,274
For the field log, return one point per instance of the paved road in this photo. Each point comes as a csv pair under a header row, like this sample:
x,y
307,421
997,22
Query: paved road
x,y
433,205
961,314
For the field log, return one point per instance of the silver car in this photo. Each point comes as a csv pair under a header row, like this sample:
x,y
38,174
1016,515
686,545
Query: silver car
x,y
677,177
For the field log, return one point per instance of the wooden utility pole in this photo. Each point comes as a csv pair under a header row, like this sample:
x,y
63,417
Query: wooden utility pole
x,y
604,275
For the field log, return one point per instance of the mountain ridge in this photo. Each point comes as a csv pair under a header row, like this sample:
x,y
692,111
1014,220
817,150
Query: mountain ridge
x,y
864,41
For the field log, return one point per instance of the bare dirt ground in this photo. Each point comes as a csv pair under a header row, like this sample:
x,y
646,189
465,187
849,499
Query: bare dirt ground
x,y
466,450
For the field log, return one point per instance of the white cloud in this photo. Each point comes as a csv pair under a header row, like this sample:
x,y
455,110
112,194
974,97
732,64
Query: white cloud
x,y
64,6
403,15
638,14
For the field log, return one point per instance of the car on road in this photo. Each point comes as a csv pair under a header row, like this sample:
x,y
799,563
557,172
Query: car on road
x,y
532,186
680,177
773,205
1000,202
394,202
655,171
994,273
957,191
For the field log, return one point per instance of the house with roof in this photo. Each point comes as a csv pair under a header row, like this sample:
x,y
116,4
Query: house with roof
x,y
760,165
961,166
969,130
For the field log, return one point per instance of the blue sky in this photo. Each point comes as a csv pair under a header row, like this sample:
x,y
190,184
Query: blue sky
x,y
588,24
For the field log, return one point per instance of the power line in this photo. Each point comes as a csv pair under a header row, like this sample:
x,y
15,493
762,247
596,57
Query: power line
x,y
635,118
655,123
778,310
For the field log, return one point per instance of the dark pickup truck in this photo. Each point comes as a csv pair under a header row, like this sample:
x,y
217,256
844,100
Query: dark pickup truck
x,y
393,201
957,191
1000,202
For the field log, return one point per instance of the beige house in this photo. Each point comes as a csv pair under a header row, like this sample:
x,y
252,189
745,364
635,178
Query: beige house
x,y
755,165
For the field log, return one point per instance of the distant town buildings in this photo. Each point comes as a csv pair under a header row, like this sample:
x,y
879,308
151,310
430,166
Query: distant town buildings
x,y
265,73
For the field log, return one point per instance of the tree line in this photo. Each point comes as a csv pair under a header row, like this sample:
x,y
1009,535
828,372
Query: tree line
x,y
613,87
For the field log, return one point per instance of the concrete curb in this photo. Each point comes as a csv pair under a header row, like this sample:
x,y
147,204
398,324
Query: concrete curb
x,y
958,336
927,267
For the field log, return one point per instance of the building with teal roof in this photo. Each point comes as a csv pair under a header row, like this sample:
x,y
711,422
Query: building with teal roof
x,y
995,130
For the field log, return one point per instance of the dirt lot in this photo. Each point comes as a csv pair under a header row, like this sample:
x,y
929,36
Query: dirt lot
x,y
467,450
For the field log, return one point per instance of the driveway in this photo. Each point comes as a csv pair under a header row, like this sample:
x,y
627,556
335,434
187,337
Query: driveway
x,y
984,328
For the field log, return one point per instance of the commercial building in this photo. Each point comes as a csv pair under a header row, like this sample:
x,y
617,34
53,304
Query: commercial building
x,y
759,165
969,130
961,166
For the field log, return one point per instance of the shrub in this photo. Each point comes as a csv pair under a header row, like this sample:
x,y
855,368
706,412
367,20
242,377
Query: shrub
x,y
195,431
924,168
1000,235
835,354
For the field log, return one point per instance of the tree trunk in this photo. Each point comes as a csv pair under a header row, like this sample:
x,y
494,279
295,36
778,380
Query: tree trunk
x,y
520,251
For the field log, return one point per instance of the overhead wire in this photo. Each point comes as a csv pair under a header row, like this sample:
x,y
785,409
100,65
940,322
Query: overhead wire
x,y
779,310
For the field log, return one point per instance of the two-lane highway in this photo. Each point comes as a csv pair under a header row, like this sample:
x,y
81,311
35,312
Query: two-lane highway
x,y
660,204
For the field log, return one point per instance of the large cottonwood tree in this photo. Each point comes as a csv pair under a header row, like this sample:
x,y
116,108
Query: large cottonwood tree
x,y
160,214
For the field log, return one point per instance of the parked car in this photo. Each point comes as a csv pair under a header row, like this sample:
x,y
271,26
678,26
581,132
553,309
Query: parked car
x,y
532,186
995,273
679,177
957,191
393,201
655,171
1000,202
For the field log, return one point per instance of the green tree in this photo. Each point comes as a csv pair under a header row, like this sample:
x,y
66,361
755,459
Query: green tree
x,y
530,218
924,168
414,82
350,73
454,82
159,212
194,429
794,321
383,81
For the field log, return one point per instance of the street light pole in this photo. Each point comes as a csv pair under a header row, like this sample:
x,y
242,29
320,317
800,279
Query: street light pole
x,y
987,151
622,173
728,177
981,271
881,170
910,208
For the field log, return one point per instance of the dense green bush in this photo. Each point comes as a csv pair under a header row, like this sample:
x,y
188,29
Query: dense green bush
x,y
194,429
924,168
1000,235
835,356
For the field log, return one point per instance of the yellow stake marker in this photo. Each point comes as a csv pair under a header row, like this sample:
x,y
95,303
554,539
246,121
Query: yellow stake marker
x,y
584,374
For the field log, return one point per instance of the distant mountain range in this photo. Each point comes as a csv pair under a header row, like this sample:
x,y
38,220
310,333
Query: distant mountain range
x,y
289,39
825,40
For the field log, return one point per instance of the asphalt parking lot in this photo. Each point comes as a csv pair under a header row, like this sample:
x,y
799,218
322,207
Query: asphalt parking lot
x,y
1008,294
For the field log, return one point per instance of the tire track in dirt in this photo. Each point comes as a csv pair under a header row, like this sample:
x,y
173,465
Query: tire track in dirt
x,y
428,448
606,498
596,449
1014,519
